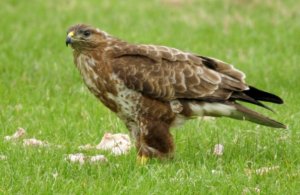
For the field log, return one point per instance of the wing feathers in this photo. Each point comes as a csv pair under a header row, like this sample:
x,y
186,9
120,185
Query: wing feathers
x,y
263,95
223,68
167,73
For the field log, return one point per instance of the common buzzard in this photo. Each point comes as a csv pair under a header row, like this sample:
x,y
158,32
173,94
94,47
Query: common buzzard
x,y
153,88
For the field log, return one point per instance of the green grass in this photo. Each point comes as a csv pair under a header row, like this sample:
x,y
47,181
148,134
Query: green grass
x,y
41,90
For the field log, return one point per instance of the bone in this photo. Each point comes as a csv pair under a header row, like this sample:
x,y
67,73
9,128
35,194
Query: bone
x,y
3,157
35,142
76,158
16,136
81,158
98,158
218,150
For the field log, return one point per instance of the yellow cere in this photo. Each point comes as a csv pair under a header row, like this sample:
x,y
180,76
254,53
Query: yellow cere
x,y
71,34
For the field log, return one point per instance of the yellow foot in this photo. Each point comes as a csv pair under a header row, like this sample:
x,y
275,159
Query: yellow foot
x,y
142,160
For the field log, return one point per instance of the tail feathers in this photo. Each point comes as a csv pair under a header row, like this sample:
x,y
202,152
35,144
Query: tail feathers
x,y
243,113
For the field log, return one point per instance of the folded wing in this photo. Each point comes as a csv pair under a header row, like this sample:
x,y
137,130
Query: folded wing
x,y
167,74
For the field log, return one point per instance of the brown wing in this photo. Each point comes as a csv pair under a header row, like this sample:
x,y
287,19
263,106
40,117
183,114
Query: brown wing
x,y
166,73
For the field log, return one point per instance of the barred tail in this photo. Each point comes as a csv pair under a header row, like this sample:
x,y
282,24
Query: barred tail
x,y
243,113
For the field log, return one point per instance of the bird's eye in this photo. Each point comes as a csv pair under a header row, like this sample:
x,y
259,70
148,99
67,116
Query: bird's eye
x,y
87,33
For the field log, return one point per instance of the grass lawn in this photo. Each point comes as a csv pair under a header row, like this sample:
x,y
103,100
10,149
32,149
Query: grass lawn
x,y
41,91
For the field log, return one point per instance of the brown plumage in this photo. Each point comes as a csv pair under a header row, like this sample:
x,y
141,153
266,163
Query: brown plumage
x,y
152,88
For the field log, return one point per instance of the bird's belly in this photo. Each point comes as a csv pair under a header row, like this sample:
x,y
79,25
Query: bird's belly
x,y
127,101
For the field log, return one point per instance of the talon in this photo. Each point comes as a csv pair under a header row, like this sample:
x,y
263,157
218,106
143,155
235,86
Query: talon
x,y
142,160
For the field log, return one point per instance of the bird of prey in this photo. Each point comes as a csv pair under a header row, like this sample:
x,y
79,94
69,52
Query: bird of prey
x,y
153,88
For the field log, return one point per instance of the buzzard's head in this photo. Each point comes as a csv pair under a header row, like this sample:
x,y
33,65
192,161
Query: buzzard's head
x,y
84,37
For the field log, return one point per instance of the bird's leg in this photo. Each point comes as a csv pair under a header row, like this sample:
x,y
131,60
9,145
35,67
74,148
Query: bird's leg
x,y
135,133
154,140
142,160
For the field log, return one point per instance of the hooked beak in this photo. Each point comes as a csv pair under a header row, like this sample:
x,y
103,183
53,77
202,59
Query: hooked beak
x,y
69,38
